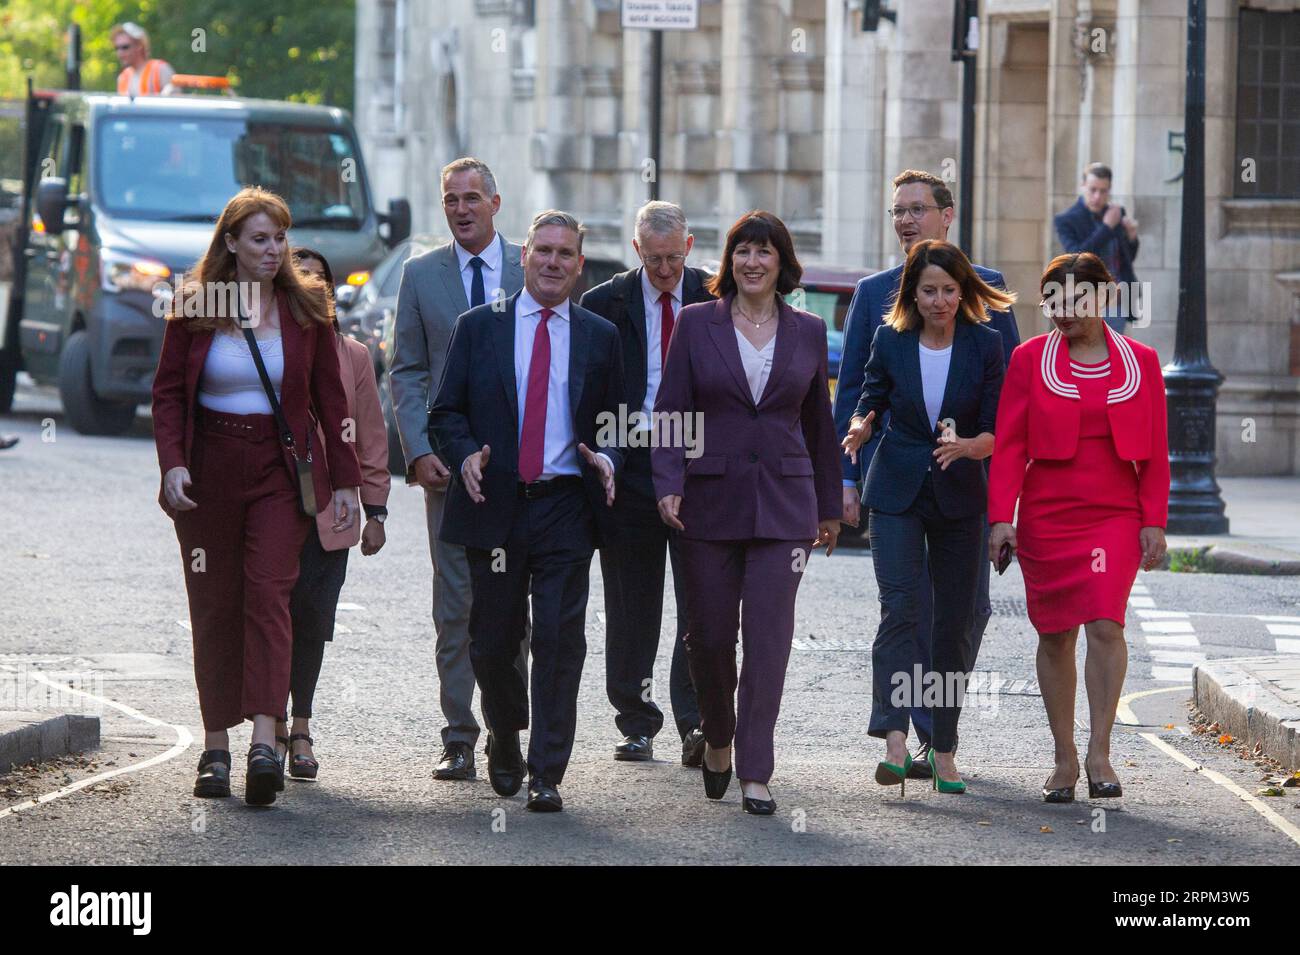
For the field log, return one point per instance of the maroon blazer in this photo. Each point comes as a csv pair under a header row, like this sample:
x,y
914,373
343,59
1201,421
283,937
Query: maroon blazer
x,y
311,382
765,470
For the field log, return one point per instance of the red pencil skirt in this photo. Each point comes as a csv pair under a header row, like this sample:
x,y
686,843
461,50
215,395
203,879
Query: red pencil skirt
x,y
240,550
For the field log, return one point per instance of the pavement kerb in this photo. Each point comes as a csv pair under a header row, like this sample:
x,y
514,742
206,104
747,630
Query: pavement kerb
x,y
26,736
1232,559
1233,694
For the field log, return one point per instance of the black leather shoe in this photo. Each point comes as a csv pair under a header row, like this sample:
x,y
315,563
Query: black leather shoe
x,y
505,763
635,749
265,775
543,797
1103,790
456,762
920,768
213,781
715,781
758,807
693,749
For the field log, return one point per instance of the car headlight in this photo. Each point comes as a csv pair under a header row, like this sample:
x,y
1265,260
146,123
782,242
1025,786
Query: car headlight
x,y
130,273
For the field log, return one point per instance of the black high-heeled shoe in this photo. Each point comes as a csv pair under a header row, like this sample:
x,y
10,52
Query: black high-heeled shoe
x,y
1103,790
264,777
300,766
715,781
213,781
757,807
1062,794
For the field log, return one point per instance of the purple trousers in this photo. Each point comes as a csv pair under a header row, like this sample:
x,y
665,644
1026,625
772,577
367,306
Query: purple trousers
x,y
744,588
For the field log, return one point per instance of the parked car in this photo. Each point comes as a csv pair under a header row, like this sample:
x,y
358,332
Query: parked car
x,y
119,198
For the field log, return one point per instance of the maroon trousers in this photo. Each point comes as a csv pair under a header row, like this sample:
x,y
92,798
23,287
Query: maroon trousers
x,y
746,587
240,549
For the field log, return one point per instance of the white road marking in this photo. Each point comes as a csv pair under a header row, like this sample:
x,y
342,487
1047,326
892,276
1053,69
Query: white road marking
x,y
348,606
1284,629
1166,614
1177,656
185,625
1172,674
1141,601
183,741
1173,640
1267,619
1125,715
1167,626
1288,646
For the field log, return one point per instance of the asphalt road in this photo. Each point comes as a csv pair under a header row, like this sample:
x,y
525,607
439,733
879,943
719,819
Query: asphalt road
x,y
94,595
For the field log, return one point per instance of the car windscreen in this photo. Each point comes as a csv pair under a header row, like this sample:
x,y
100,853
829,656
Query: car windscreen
x,y
186,168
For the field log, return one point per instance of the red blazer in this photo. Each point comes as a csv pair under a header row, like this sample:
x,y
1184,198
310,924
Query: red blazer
x,y
1038,418
370,438
311,381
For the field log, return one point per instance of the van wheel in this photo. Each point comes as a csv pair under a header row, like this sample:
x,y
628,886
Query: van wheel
x,y
85,410
8,379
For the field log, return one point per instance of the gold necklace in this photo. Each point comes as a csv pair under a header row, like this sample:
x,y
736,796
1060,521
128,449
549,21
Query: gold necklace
x,y
751,321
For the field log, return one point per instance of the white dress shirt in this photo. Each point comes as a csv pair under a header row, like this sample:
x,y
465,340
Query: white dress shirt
x,y
491,257
934,379
560,448
654,366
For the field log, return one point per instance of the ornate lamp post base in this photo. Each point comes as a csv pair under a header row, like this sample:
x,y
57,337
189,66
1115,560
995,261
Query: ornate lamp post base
x,y
1195,504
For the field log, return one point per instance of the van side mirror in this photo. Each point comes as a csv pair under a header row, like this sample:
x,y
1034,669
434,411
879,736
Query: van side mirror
x,y
398,218
51,201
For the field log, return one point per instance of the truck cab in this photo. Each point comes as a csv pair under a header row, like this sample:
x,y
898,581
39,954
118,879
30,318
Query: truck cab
x,y
120,198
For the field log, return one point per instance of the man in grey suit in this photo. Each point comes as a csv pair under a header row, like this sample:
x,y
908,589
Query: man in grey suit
x,y
477,267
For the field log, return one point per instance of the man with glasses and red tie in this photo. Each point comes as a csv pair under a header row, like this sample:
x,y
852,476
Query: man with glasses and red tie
x,y
922,208
643,304
525,390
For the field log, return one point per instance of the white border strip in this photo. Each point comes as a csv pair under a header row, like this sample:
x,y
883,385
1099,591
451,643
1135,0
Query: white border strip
x,y
183,741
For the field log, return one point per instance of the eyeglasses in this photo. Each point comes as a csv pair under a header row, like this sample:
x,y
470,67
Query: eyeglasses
x,y
916,211
122,46
654,261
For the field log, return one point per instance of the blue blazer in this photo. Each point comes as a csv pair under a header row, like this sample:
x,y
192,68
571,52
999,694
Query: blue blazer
x,y
477,403
1081,231
872,300
906,450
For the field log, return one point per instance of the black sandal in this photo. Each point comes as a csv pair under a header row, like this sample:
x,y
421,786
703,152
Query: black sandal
x,y
213,781
265,775
302,767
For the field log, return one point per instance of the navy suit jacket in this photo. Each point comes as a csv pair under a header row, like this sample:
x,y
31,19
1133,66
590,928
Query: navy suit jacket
x,y
478,403
906,451
1081,231
872,300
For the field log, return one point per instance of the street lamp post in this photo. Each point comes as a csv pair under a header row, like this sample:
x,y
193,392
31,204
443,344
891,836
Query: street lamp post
x,y
1191,382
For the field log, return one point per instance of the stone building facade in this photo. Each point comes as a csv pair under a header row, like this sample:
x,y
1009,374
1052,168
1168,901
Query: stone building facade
x,y
788,105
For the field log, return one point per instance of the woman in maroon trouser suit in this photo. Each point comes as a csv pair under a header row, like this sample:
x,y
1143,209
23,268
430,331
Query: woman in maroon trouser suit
x,y
227,480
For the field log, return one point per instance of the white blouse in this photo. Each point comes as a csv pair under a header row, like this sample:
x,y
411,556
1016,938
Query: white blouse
x,y
757,362
230,382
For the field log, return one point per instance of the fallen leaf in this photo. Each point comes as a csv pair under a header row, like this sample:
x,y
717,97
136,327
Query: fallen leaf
x,y
983,822
1169,726
1292,780
1045,829
1225,739
1173,840
1271,791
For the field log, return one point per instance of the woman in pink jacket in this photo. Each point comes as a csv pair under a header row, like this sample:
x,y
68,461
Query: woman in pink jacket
x,y
324,561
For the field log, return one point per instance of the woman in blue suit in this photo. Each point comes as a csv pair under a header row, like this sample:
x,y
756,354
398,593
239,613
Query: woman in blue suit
x,y
936,367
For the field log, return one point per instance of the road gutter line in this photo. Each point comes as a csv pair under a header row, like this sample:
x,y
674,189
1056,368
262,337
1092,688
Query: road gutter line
x,y
183,741
1125,715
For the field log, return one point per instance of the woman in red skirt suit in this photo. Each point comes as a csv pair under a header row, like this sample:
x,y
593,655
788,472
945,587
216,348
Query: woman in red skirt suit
x,y
1081,443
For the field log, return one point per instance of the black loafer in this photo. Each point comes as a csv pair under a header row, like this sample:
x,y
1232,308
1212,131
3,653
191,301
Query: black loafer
x,y
213,781
693,749
265,775
920,768
544,798
456,762
758,807
505,763
636,749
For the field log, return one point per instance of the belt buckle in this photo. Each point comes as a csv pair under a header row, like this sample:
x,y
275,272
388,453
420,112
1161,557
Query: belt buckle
x,y
532,490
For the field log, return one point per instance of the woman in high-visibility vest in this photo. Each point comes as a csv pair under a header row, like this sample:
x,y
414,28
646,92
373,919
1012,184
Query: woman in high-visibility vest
x,y
140,76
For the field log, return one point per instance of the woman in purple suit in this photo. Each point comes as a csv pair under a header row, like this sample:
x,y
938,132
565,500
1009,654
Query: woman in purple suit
x,y
757,489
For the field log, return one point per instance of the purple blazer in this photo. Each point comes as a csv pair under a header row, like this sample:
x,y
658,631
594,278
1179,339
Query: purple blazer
x,y
770,470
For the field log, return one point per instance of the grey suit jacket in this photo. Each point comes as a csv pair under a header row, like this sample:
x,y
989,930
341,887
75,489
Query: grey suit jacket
x,y
429,300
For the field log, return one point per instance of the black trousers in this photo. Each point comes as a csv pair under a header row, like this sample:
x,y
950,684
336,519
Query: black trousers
x,y
312,607
903,547
632,568
548,558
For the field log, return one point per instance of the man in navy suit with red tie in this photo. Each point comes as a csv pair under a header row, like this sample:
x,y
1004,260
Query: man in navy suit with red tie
x,y
526,387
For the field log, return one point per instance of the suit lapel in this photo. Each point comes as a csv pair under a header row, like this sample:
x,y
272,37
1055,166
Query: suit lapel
x,y
693,291
958,366
512,272
787,339
291,335
503,343
911,344
723,334
578,336
636,313
453,287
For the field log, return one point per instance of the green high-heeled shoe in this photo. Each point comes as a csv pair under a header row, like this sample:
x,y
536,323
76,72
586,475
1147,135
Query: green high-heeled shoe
x,y
887,774
942,785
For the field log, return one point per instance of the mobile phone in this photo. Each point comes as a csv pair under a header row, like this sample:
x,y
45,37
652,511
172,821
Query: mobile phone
x,y
1004,559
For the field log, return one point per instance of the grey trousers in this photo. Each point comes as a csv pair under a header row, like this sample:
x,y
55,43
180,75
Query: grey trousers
x,y
452,596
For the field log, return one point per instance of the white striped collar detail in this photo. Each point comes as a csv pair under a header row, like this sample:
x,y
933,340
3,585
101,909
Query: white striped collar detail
x,y
1050,378
1119,346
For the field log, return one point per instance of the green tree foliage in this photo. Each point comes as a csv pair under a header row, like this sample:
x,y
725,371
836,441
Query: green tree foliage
x,y
287,51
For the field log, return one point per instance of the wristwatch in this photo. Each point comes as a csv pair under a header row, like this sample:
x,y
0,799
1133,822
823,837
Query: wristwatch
x,y
380,517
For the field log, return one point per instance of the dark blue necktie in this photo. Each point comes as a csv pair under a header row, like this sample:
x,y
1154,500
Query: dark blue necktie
x,y
477,296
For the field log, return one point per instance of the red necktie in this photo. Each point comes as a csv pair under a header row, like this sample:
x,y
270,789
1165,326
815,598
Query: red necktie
x,y
665,327
533,440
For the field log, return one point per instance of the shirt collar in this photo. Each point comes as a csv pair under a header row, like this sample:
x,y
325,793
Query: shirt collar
x,y
651,294
527,305
491,256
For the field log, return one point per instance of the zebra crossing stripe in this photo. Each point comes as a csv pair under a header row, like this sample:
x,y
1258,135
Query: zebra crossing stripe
x,y
1171,636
